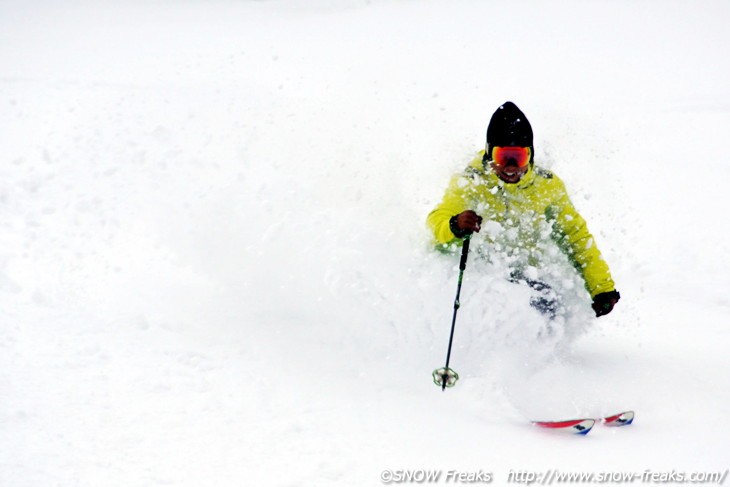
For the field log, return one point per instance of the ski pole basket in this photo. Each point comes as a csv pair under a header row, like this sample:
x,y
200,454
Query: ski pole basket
x,y
445,377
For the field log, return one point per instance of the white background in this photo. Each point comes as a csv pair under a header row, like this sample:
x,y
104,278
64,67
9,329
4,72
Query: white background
x,y
214,266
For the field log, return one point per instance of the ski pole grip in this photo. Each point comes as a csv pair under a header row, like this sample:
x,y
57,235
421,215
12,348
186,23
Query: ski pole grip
x,y
464,252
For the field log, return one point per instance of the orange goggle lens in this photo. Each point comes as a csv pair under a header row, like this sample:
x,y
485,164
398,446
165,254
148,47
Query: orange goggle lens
x,y
502,156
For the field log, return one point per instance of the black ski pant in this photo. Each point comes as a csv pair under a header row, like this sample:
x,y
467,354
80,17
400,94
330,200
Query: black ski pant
x,y
544,298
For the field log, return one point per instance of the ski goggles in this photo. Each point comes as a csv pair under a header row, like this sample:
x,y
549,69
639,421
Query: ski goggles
x,y
502,156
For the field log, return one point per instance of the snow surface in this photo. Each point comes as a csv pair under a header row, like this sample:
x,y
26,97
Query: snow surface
x,y
214,266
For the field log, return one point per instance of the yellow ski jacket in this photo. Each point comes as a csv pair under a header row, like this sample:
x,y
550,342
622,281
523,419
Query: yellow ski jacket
x,y
520,220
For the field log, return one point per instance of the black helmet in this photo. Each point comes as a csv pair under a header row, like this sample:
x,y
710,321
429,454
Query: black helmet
x,y
508,127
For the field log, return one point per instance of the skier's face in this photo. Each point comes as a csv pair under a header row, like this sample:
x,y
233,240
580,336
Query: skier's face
x,y
509,168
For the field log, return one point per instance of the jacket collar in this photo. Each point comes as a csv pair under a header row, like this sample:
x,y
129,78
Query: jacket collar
x,y
525,182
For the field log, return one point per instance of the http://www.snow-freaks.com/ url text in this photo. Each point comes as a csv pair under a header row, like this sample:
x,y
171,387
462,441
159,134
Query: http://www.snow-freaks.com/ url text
x,y
551,477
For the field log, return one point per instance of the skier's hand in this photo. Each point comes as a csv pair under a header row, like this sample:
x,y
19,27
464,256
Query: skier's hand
x,y
603,303
468,221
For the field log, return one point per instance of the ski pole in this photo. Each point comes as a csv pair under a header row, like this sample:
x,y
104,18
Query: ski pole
x,y
446,377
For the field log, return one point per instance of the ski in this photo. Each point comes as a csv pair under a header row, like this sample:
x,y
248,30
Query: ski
x,y
573,426
622,419
584,425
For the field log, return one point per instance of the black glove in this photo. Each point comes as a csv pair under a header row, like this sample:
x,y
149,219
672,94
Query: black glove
x,y
465,223
603,303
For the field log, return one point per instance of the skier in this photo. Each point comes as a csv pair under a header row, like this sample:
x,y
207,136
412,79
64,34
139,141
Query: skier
x,y
522,207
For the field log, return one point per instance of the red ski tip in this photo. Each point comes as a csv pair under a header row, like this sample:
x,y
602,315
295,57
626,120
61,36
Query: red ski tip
x,y
622,419
573,426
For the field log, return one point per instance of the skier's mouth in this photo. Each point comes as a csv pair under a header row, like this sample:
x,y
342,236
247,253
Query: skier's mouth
x,y
511,173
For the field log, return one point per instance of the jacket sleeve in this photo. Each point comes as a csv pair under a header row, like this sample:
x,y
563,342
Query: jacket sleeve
x,y
455,201
571,234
